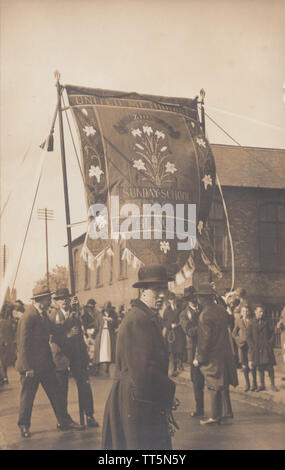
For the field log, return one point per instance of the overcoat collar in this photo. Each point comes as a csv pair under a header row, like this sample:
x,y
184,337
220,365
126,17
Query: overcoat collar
x,y
142,306
153,316
261,324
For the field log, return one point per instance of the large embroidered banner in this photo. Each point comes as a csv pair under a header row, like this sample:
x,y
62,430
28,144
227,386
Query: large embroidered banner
x,y
144,150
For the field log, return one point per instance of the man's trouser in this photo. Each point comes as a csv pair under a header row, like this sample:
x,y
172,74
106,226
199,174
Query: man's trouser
x,y
84,390
261,370
62,377
198,381
30,385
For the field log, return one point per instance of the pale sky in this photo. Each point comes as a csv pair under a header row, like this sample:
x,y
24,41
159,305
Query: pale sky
x,y
233,49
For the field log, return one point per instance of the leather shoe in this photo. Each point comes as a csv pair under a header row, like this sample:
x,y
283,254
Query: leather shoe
x,y
210,421
70,426
196,414
75,426
260,389
25,431
91,422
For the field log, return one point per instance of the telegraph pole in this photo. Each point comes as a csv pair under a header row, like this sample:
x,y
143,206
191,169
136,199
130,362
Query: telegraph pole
x,y
46,214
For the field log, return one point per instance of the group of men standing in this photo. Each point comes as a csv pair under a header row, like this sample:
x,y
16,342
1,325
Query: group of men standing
x,y
138,413
206,324
49,344
139,409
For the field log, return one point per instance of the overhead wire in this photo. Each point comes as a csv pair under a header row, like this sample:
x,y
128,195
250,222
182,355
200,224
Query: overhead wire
x,y
17,177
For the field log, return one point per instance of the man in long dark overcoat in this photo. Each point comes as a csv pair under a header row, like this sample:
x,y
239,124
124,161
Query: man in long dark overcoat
x,y
215,354
281,328
189,319
6,340
35,363
260,337
137,410
175,336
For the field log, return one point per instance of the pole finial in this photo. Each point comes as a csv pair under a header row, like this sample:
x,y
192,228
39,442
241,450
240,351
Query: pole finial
x,y
57,76
202,94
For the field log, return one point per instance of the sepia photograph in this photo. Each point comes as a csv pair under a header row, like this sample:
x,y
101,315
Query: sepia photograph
x,y
142,227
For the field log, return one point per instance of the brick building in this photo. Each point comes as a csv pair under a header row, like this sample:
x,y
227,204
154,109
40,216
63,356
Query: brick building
x,y
253,182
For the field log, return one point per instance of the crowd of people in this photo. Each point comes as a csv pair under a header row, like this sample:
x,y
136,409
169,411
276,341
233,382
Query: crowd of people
x,y
150,341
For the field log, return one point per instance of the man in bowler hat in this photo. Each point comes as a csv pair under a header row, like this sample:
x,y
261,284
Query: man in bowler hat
x,y
35,363
72,353
139,405
215,355
189,319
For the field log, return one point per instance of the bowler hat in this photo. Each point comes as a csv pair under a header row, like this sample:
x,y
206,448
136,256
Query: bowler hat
x,y
205,289
91,303
61,293
152,274
19,305
189,293
40,292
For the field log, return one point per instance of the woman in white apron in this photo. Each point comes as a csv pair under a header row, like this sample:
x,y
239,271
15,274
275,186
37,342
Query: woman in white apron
x,y
105,339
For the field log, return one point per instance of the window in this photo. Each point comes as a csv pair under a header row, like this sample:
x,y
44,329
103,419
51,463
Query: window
x,y
272,236
123,264
86,276
99,276
111,269
75,268
219,234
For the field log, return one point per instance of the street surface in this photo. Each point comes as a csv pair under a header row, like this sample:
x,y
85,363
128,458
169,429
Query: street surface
x,y
253,428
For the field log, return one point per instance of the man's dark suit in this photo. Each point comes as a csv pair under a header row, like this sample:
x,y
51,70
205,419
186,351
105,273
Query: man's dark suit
x,y
74,348
34,354
189,319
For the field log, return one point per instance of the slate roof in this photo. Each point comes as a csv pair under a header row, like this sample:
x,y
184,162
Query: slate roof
x,y
251,167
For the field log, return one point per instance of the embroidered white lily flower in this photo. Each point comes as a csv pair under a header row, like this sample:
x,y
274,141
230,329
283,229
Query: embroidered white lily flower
x,y
110,252
200,226
193,124
207,180
84,111
170,168
136,132
147,130
89,130
163,149
95,171
164,246
139,146
159,135
139,165
100,221
201,142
